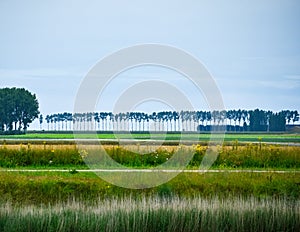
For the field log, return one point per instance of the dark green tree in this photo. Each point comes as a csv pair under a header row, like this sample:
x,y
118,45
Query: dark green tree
x,y
18,108
258,120
41,121
277,122
295,117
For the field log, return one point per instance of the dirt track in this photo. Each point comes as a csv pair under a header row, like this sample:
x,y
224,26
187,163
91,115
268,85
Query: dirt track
x,y
152,170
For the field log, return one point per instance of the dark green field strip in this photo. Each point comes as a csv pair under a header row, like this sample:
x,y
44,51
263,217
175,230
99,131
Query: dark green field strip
x,y
229,137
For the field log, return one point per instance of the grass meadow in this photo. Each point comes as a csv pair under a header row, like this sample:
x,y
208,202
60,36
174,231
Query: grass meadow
x,y
68,200
231,156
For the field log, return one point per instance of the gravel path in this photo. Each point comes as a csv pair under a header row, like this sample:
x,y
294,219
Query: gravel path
x,y
151,170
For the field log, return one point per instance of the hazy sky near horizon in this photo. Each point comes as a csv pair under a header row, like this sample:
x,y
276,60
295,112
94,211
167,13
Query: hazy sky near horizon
x,y
251,48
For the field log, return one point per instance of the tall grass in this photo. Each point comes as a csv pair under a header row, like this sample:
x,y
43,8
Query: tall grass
x,y
233,156
252,156
155,214
39,155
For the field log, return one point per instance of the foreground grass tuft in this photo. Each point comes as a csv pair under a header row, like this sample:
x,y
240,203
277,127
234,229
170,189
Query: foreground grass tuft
x,y
155,214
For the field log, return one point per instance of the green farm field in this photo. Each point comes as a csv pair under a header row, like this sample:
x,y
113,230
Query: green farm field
x,y
202,137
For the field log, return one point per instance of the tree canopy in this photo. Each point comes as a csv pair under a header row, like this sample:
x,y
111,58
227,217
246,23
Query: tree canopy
x,y
18,108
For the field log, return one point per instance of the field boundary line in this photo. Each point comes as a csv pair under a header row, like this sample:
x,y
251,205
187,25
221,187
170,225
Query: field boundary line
x,y
152,170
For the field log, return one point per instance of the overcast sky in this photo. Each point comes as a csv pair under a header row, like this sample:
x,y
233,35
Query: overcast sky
x,y
251,48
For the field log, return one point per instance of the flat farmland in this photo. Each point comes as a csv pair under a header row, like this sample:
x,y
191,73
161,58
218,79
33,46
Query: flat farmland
x,y
202,137
252,185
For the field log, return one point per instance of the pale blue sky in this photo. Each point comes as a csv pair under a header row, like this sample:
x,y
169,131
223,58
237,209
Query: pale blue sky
x,y
251,48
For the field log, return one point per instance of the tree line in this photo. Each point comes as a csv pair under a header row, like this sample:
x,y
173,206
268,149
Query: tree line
x,y
229,120
18,108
